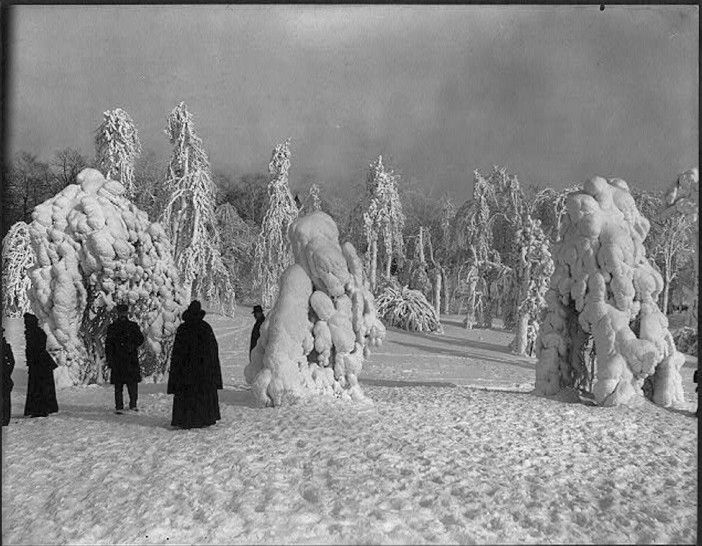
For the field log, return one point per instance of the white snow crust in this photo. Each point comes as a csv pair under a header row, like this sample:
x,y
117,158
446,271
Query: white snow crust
x,y
436,459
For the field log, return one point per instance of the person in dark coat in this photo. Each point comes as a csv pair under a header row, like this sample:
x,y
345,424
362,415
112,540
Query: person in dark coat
x,y
8,365
41,391
122,353
195,374
256,332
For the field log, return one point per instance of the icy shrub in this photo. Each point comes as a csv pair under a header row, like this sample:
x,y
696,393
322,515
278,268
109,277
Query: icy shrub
x,y
322,324
603,285
94,249
17,260
407,309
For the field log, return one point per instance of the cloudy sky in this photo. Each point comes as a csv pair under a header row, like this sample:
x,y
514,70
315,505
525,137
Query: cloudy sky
x,y
556,94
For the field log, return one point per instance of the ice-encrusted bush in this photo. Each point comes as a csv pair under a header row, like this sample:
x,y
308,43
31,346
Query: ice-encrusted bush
x,y
322,324
94,248
604,286
407,309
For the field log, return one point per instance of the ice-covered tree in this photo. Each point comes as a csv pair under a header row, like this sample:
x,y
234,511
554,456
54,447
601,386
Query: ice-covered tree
x,y
17,259
117,148
273,252
383,218
312,202
533,271
238,245
94,249
189,216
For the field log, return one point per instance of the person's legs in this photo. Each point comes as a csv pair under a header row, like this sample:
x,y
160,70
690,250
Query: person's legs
x,y
133,390
119,400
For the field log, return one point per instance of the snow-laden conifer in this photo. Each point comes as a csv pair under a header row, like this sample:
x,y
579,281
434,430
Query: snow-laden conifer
x,y
17,260
313,201
273,252
383,218
117,148
189,215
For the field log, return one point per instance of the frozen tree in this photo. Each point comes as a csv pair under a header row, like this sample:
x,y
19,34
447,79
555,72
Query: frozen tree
x,y
312,202
322,324
603,286
273,251
405,308
533,273
683,198
94,249
238,245
548,206
117,148
17,260
189,216
383,218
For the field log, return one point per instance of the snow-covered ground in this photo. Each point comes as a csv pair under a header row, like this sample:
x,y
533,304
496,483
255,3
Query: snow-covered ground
x,y
454,450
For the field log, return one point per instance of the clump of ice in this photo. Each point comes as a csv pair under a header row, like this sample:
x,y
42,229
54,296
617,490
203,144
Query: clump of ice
x,y
603,285
322,325
94,249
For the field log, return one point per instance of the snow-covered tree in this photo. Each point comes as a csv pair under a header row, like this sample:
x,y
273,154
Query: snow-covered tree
x,y
533,272
94,249
17,259
312,202
117,148
189,215
383,218
273,252
238,245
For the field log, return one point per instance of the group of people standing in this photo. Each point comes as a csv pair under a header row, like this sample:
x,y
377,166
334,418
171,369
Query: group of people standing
x,y
194,379
41,390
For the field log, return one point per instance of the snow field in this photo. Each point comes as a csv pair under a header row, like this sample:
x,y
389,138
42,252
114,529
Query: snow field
x,y
431,460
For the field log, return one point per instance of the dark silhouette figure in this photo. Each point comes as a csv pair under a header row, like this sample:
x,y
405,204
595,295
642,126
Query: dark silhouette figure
x,y
256,332
695,378
122,352
8,365
41,391
195,373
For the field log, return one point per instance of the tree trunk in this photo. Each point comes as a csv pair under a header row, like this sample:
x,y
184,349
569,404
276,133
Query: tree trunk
x,y
520,339
665,294
388,265
447,296
437,291
372,270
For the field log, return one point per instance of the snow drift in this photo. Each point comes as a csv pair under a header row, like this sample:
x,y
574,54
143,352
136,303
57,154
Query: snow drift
x,y
94,249
604,286
322,325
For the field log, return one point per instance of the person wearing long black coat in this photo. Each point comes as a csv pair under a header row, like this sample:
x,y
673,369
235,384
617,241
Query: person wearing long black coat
x,y
41,391
195,374
256,330
8,365
122,354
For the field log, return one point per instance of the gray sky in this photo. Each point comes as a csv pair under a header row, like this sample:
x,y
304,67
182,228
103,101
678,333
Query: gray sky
x,y
556,94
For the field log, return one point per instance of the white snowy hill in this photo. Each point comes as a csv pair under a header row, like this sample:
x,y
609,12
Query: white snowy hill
x,y
453,450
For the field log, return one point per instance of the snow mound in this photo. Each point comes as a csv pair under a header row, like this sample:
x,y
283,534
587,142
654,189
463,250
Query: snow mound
x,y
94,249
322,324
604,286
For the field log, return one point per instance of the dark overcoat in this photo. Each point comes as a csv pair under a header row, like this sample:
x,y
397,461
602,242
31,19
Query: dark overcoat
x,y
41,390
195,374
8,365
122,351
256,333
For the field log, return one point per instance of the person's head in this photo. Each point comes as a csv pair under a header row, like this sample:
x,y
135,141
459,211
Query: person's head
x,y
194,311
257,312
122,310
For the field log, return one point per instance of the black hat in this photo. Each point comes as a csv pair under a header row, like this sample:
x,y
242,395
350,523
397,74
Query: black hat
x,y
194,311
257,308
122,308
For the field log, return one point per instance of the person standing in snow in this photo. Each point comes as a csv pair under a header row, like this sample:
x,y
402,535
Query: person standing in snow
x,y
122,353
8,365
195,374
41,391
256,332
